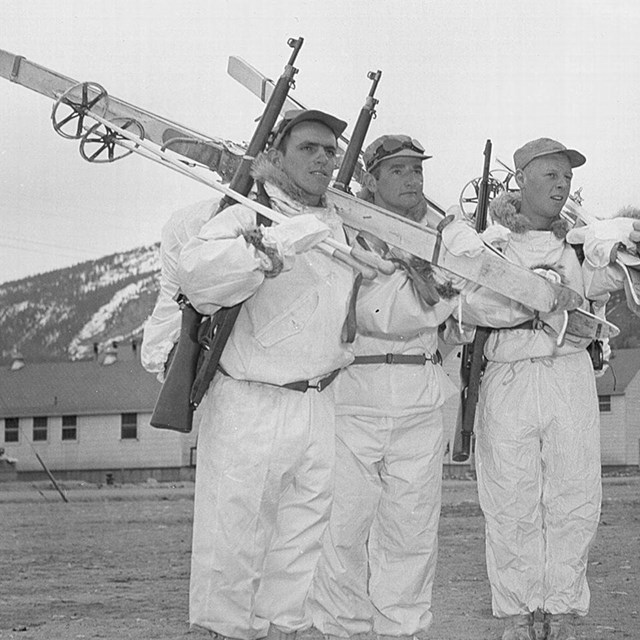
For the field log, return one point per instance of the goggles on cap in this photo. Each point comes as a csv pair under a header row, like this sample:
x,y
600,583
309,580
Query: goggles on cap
x,y
391,146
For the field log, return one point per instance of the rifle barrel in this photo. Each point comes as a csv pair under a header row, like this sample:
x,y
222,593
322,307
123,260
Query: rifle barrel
x,y
368,111
473,355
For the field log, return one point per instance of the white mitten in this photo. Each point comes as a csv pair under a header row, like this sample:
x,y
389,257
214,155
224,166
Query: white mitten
x,y
295,235
461,239
601,239
456,211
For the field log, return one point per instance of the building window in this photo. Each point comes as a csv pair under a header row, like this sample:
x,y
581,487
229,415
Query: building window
x,y
12,429
129,426
604,404
69,428
40,429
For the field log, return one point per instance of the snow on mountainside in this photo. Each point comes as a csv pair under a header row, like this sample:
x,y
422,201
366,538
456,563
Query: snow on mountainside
x,y
59,315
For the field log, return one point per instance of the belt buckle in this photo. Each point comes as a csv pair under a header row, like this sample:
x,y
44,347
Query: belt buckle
x,y
388,358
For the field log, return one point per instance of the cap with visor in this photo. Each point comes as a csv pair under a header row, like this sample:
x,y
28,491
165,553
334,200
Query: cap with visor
x,y
294,117
545,147
392,146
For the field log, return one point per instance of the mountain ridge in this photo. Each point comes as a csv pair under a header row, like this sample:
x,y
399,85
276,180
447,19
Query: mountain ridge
x,y
66,313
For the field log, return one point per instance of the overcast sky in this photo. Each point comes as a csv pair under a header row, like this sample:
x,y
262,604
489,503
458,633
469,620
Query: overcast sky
x,y
454,73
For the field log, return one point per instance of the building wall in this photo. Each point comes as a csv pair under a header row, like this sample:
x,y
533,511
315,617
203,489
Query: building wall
x,y
99,446
612,433
632,435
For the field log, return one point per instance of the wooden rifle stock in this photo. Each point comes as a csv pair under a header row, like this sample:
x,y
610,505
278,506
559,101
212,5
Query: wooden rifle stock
x,y
472,363
173,409
175,403
350,160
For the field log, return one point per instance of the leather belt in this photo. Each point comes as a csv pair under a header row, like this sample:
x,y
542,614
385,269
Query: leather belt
x,y
301,385
533,325
399,358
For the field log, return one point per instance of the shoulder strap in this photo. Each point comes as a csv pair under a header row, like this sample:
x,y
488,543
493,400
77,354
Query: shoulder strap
x,y
263,198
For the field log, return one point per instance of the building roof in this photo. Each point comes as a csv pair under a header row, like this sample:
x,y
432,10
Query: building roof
x,y
76,388
623,367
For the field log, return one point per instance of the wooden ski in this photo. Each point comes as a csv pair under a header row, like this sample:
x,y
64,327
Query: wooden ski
x,y
133,126
587,325
393,229
489,269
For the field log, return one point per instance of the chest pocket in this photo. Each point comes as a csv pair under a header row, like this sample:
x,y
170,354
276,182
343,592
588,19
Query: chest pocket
x,y
289,322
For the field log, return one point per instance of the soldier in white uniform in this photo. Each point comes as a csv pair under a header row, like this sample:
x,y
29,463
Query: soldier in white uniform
x,y
538,439
379,553
266,440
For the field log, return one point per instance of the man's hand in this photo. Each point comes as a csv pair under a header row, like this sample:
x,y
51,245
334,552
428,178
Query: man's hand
x,y
295,235
277,245
461,239
602,239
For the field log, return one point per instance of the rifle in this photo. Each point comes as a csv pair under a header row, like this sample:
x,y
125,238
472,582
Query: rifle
x,y
220,327
191,362
472,364
350,160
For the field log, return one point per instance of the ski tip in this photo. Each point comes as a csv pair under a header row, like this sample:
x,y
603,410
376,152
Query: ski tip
x,y
566,299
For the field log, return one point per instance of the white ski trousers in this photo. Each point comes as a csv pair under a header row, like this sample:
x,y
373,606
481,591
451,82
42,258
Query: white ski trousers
x,y
379,553
538,468
263,494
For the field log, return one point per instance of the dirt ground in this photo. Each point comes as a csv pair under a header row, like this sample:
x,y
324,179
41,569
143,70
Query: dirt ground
x,y
113,562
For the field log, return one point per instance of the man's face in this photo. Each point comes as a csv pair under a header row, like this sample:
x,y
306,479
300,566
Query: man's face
x,y
398,187
309,159
545,184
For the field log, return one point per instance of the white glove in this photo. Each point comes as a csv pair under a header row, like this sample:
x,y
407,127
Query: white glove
x,y
456,211
601,239
461,239
295,235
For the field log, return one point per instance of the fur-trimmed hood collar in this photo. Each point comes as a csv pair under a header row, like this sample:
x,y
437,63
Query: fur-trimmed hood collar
x,y
505,210
263,170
